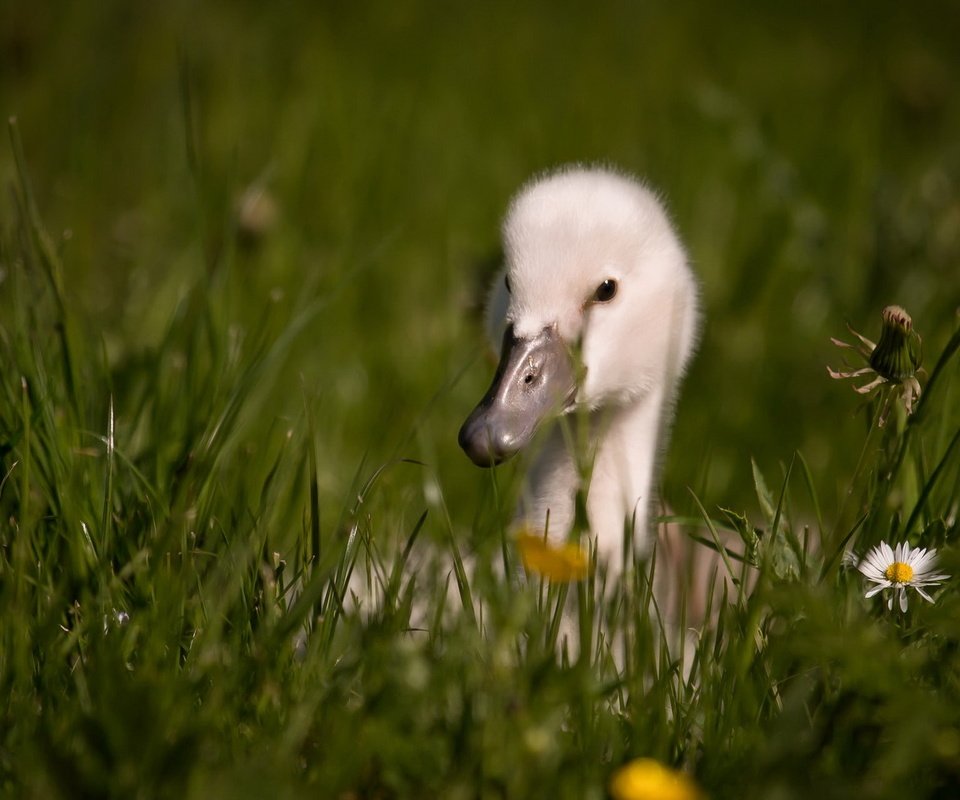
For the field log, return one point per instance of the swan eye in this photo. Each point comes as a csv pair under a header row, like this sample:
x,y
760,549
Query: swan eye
x,y
605,291
506,282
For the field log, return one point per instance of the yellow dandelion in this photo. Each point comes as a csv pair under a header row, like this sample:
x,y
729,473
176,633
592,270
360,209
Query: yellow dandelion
x,y
646,779
561,563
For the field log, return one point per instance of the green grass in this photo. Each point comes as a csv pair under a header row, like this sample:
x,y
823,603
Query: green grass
x,y
206,426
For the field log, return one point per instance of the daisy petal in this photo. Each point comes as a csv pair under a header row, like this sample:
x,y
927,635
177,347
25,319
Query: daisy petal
x,y
850,559
886,553
921,560
902,553
923,594
874,563
929,580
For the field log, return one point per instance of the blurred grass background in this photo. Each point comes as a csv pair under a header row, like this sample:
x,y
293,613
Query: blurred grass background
x,y
276,223
808,153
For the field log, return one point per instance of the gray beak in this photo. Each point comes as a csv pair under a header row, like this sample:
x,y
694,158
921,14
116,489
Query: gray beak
x,y
535,377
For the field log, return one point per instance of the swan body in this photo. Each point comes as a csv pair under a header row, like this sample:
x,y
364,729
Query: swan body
x,y
597,312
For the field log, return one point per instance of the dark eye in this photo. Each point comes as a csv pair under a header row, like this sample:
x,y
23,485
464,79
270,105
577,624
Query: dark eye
x,y
605,291
506,282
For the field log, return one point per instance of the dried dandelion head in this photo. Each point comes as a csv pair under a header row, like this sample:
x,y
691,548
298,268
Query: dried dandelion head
x,y
894,362
895,357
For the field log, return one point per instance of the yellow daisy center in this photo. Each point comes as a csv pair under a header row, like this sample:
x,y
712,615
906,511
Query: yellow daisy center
x,y
898,572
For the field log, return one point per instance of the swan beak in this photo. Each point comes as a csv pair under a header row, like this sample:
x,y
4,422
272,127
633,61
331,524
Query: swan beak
x,y
535,378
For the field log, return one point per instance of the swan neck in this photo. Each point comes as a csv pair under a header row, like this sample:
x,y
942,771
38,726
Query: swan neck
x,y
625,466
625,449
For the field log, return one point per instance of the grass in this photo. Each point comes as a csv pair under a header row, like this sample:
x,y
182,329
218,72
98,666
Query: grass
x,y
209,420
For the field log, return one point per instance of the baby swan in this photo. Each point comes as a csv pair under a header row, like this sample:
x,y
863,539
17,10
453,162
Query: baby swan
x,y
597,314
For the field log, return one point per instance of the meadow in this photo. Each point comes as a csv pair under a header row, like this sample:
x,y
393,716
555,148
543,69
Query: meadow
x,y
243,254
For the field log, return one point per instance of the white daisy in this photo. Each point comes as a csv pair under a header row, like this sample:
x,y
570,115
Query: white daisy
x,y
899,569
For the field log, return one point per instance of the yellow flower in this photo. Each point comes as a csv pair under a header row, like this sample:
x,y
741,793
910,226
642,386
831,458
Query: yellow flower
x,y
646,779
563,563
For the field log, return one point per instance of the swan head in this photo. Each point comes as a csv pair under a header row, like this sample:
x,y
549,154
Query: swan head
x,y
596,306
